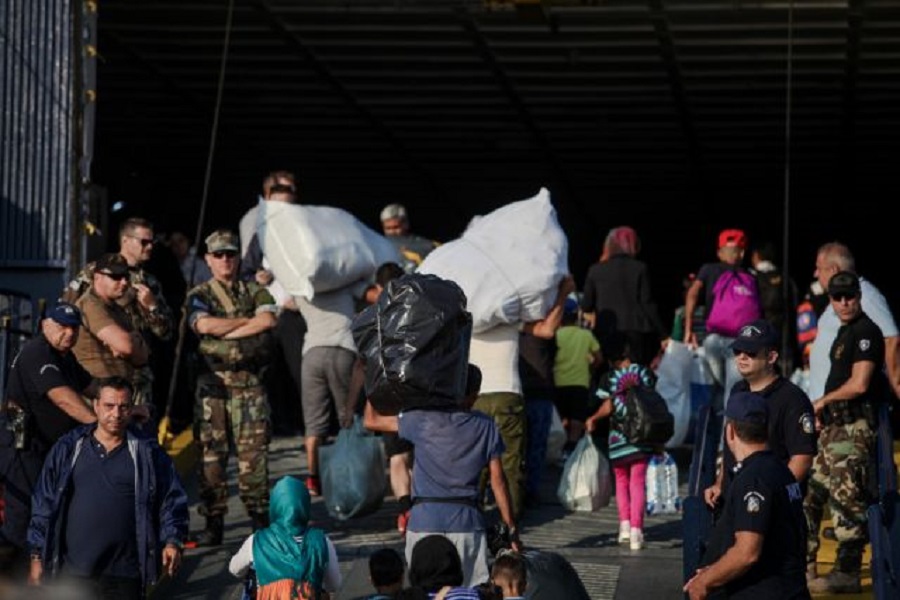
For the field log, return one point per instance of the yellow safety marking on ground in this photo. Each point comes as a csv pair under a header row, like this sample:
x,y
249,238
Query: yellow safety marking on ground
x,y
184,452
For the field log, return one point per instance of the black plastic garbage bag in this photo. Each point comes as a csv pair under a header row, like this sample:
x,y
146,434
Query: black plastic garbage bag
x,y
415,343
552,577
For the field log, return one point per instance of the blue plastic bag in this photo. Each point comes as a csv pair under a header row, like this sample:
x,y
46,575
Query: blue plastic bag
x,y
353,473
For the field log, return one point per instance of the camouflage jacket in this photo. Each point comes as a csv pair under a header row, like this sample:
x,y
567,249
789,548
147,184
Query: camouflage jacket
x,y
159,322
247,299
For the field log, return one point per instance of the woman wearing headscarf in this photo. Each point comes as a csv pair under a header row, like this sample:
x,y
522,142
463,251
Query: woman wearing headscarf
x,y
435,572
290,558
617,297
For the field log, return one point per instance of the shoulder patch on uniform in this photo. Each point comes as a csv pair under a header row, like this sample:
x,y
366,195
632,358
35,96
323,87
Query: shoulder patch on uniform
x,y
49,366
807,423
198,303
753,502
865,344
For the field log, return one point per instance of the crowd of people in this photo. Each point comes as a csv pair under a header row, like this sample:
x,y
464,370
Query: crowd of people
x,y
79,450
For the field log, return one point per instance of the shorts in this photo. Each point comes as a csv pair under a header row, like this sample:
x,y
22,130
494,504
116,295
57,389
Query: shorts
x,y
574,402
394,444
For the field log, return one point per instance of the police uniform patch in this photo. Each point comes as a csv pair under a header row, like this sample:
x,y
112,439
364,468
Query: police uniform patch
x,y
807,423
865,344
753,502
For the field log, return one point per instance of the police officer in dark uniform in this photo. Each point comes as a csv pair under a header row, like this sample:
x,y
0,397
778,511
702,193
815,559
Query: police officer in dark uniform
x,y
43,401
848,413
792,434
758,546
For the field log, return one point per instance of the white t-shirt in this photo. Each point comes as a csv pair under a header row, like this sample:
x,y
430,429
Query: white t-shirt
x,y
496,353
874,305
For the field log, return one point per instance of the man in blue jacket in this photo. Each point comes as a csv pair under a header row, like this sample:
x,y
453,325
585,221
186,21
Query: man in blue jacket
x,y
108,509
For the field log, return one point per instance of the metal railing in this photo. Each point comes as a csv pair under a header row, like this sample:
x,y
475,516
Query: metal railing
x,y
19,319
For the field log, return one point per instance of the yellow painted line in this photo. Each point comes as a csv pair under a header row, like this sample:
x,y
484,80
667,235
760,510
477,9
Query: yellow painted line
x,y
184,452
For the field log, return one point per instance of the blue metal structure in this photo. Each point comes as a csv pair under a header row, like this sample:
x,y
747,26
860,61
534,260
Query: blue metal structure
x,y
39,138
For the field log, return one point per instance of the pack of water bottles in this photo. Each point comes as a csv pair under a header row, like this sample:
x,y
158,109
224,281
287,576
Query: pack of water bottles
x,y
662,485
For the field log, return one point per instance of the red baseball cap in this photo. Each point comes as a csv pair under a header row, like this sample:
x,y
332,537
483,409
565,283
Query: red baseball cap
x,y
732,237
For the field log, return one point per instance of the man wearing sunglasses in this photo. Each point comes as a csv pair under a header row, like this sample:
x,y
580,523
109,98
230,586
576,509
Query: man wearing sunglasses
x,y
847,414
108,344
791,425
233,319
143,301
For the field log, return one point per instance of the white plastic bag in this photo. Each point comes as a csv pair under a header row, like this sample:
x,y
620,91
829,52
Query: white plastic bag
x,y
318,248
556,439
662,485
674,384
509,262
352,473
585,484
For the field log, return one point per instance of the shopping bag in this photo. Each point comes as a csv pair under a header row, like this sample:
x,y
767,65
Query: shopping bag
x,y
585,484
674,384
352,473
556,439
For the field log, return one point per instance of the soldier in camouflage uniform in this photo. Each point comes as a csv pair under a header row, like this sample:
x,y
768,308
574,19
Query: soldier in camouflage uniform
x,y
847,412
144,302
233,320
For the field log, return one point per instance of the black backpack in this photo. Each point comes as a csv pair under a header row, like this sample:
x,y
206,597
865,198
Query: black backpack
x,y
769,284
647,418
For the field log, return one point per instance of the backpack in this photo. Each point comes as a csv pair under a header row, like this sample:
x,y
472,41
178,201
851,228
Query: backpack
x,y
769,284
647,419
735,303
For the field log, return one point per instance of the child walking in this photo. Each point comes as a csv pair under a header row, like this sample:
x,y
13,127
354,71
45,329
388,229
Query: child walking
x,y
629,461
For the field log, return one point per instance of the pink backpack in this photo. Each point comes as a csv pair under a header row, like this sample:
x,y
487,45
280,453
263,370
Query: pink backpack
x,y
735,303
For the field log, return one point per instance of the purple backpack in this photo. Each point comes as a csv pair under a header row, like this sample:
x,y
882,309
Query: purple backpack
x,y
735,303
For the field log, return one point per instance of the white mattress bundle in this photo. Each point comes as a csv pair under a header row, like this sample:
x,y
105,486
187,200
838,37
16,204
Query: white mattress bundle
x,y
314,249
509,263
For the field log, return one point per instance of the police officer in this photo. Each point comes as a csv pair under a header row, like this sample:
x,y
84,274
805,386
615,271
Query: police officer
x,y
847,413
758,545
232,318
144,303
792,435
43,401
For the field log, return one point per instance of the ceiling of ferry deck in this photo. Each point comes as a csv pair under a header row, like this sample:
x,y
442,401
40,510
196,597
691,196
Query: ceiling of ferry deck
x,y
669,115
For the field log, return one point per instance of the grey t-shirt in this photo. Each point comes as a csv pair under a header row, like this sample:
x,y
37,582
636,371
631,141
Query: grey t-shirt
x,y
328,319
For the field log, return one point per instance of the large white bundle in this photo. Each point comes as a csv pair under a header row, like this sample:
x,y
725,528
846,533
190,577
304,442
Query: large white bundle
x,y
509,262
314,249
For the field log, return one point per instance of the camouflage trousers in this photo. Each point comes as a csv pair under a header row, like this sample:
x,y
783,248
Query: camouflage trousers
x,y
839,479
232,411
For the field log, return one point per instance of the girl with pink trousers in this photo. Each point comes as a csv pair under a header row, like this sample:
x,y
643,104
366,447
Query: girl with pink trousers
x,y
629,461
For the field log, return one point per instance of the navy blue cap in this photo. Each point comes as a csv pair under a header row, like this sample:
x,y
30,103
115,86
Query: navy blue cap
x,y
570,307
65,314
844,283
755,336
747,407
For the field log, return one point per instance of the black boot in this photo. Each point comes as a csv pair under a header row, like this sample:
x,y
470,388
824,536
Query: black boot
x,y
259,521
212,535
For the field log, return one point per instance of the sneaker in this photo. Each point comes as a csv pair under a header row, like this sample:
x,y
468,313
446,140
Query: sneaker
x,y
314,485
836,582
624,531
402,522
636,539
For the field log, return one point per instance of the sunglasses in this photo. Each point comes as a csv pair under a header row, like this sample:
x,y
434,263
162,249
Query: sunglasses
x,y
841,296
224,254
144,241
758,354
114,277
